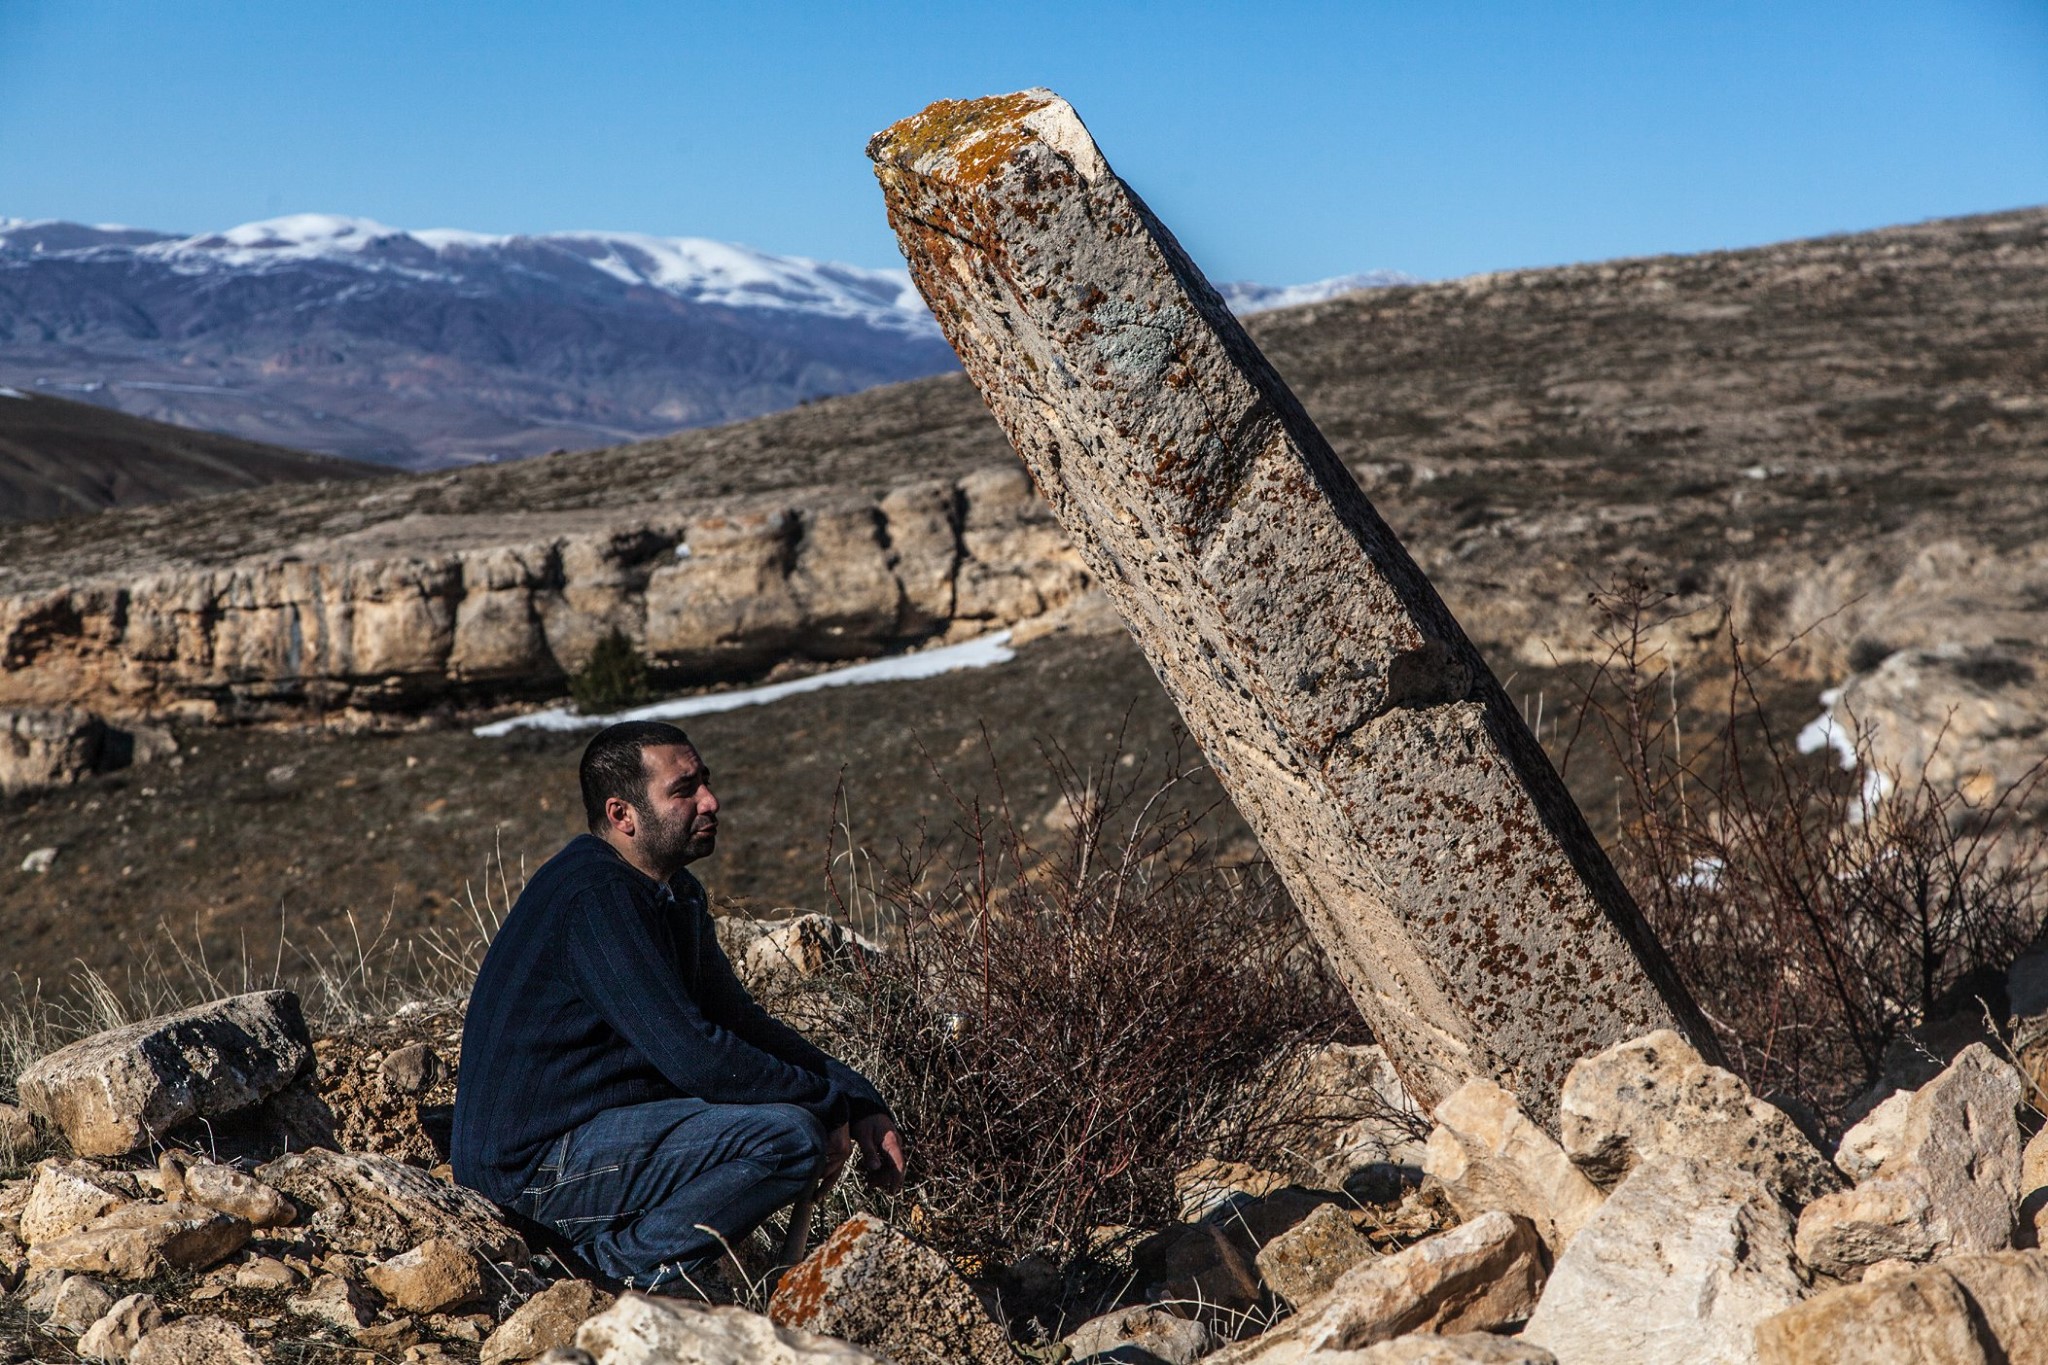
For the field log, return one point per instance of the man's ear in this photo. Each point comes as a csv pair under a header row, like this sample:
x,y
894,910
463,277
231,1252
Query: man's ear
x,y
619,815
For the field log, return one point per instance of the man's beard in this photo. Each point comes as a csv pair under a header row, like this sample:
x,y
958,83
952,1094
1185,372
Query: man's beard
x,y
670,844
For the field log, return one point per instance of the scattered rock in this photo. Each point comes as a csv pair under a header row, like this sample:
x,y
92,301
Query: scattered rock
x,y
1207,1266
638,1330
332,1299
876,1287
195,1341
183,1177
265,1272
1483,1275
2033,1215
118,1090
136,1241
376,1206
1682,1262
1138,1336
115,1334
1466,1348
17,1131
1952,1186
1870,1142
70,1302
1353,1114
433,1277
1487,1155
39,860
1307,1259
1655,1096
548,1319
411,1070
69,1195
1967,1310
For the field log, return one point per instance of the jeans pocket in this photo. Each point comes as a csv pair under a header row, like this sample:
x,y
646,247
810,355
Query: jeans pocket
x,y
548,1174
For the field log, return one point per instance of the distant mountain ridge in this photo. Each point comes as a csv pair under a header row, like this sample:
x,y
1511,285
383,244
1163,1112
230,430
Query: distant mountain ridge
x,y
439,347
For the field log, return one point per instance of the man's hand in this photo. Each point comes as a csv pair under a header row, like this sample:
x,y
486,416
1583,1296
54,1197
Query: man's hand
x,y
881,1152
838,1147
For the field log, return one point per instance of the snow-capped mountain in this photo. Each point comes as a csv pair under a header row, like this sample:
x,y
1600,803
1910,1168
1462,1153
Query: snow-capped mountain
x,y
424,348
1246,297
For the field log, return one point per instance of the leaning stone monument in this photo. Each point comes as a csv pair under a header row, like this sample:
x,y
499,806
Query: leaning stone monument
x,y
1431,847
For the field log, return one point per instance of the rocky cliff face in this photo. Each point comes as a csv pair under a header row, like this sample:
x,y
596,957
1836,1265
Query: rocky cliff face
x,y
406,613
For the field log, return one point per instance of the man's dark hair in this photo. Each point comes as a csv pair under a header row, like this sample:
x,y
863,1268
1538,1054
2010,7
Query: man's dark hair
x,y
612,766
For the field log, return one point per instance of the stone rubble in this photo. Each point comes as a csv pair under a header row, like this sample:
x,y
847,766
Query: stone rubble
x,y
638,1330
1486,1155
547,1320
856,1286
1309,1257
1139,1336
116,1333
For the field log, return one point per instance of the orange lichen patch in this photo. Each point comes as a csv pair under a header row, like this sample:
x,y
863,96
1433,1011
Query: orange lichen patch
x,y
803,1288
966,140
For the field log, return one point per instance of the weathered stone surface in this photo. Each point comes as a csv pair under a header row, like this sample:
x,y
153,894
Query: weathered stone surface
x,y
118,1090
1871,1140
183,1177
1307,1259
1466,1348
69,1195
1418,825
1207,1266
433,1277
1680,1264
1138,1336
548,1319
195,1341
1655,1096
1952,1186
70,1302
638,1330
17,1131
376,1206
1488,1155
1989,1308
873,1286
136,1241
1482,1275
124,1324
334,1300
410,1070
265,1272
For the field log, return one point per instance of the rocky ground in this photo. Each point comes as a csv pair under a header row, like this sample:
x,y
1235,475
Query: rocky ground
x,y
218,1186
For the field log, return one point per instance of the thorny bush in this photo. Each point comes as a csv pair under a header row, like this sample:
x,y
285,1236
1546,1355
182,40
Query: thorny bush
x,y
1817,916
1063,1029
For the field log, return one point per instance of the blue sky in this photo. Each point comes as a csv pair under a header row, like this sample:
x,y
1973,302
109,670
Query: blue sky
x,y
1281,141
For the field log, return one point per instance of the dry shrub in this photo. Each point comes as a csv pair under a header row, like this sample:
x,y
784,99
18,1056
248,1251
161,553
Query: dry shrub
x,y
1816,916
1063,1029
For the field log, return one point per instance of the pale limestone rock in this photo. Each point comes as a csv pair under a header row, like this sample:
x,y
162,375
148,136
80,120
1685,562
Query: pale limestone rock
x,y
69,1195
924,534
1872,1139
1139,1336
410,1071
17,1131
183,1177
2033,1214
1437,857
115,1334
377,1206
433,1277
842,582
802,947
54,748
265,1272
1466,1348
729,605
118,1090
1488,1155
1483,1275
195,1341
1309,1257
872,1285
1967,1310
333,1299
1681,1263
638,1330
1952,1186
136,1241
1654,1096
71,1302
548,1319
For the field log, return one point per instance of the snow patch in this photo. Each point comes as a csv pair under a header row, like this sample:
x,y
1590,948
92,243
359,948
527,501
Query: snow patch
x,y
1826,731
1247,296
980,652
11,393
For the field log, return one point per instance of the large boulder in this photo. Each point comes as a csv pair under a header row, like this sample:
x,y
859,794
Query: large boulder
x,y
1952,1186
115,1333
136,1241
1480,1276
435,1276
1967,1310
1309,1257
122,1089
1655,1096
183,1177
547,1320
638,1330
1487,1155
375,1206
876,1287
69,1195
1679,1265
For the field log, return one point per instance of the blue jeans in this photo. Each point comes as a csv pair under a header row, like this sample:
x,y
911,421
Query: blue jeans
x,y
644,1193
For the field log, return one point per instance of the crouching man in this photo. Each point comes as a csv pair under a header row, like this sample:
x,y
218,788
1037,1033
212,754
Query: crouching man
x,y
618,1085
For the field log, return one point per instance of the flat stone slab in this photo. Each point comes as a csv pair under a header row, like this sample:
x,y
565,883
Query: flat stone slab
x,y
120,1090
1431,847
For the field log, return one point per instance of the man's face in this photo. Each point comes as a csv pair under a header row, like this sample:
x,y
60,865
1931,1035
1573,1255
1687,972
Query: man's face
x,y
680,817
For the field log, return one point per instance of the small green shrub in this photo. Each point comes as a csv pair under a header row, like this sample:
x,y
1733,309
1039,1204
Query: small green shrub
x,y
612,679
